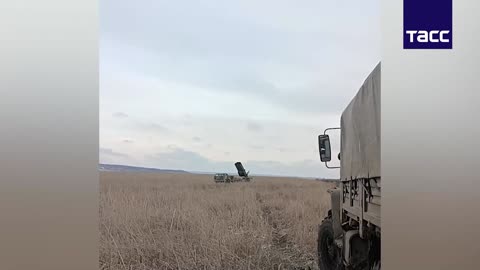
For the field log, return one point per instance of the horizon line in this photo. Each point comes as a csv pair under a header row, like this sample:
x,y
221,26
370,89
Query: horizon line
x,y
205,172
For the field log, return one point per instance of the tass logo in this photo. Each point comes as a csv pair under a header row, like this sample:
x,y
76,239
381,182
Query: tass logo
x,y
426,36
427,24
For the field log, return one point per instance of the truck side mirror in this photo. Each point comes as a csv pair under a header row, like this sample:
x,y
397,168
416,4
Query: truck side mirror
x,y
324,148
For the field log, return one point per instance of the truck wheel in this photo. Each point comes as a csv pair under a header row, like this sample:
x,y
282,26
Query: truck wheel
x,y
329,255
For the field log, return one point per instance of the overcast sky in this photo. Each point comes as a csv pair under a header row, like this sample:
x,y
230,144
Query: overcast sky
x,y
199,85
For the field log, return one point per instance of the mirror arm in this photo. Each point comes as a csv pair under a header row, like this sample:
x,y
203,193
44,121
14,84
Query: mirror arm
x,y
326,164
325,131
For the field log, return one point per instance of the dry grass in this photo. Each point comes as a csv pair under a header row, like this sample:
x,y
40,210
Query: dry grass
x,y
169,221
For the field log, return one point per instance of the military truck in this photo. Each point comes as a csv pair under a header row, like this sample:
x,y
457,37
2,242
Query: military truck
x,y
349,236
226,178
223,178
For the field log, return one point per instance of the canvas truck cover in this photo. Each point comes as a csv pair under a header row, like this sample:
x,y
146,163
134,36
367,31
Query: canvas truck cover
x,y
360,131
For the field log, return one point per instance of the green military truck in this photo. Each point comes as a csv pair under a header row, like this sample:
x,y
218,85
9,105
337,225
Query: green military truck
x,y
349,236
226,178
223,178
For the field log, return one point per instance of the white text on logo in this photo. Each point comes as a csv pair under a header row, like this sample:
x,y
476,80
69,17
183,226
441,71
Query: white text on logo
x,y
428,36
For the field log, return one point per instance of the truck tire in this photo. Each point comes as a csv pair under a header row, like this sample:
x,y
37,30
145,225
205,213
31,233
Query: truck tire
x,y
329,255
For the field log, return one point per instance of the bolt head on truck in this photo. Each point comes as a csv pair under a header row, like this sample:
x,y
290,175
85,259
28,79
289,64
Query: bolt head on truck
x,y
349,236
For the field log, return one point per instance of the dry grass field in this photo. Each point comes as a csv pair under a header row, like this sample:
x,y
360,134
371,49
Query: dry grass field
x,y
183,221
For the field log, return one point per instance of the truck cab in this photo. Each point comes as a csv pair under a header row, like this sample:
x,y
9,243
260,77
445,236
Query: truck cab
x,y
222,178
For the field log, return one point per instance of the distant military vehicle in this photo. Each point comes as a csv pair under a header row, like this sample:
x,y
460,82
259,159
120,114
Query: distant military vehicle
x,y
226,178
223,178
349,236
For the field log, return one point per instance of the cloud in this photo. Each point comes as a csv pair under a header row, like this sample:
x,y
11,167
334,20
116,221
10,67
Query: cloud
x,y
152,127
187,119
257,147
127,141
178,158
108,155
310,64
310,95
254,127
197,139
110,152
120,115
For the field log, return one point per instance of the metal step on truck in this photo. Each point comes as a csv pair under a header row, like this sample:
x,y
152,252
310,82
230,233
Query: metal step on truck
x,y
350,235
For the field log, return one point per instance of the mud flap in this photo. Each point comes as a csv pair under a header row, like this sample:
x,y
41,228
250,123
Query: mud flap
x,y
336,211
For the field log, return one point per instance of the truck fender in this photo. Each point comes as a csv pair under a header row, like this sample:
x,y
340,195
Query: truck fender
x,y
329,213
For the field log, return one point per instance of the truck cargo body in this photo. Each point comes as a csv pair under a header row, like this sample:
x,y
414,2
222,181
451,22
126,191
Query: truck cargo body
x,y
360,154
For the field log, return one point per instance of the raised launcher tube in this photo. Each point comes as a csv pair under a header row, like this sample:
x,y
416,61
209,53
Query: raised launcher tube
x,y
241,170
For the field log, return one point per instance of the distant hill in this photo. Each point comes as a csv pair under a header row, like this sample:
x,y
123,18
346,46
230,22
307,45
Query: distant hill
x,y
124,168
199,172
